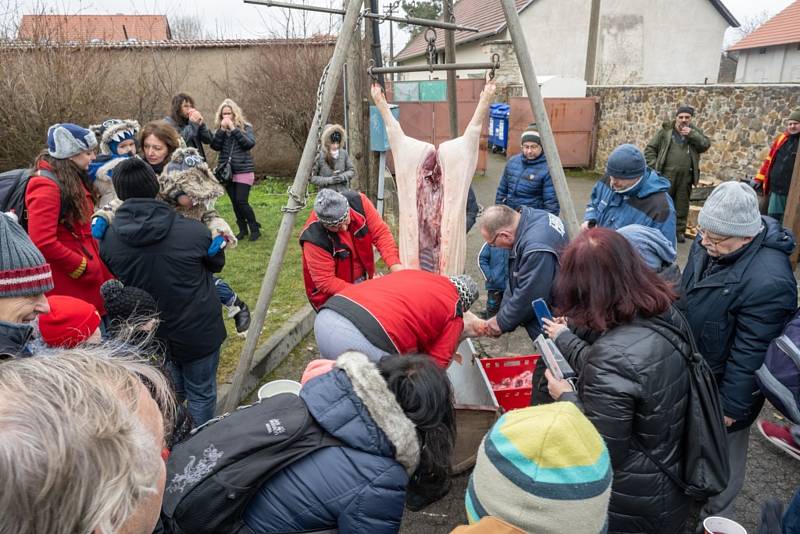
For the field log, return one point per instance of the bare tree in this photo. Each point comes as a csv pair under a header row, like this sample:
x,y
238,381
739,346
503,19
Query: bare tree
x,y
187,28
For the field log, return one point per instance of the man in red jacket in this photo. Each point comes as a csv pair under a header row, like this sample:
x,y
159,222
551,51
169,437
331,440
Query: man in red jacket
x,y
775,174
408,312
337,243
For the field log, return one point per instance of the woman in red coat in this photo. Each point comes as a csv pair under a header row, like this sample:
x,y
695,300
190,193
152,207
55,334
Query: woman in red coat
x,y
60,212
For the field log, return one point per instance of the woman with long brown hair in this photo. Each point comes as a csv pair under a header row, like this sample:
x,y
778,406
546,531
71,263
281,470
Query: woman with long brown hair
x,y
60,200
631,359
189,122
158,140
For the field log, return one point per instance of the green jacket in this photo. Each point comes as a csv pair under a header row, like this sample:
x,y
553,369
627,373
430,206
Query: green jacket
x,y
656,151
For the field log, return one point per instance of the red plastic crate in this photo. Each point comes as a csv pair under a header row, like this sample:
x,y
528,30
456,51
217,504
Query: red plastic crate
x,y
499,368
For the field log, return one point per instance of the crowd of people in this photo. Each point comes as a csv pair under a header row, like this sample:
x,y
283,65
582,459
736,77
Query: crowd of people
x,y
111,327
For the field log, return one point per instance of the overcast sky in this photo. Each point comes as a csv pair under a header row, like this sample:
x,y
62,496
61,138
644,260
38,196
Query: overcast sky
x,y
234,18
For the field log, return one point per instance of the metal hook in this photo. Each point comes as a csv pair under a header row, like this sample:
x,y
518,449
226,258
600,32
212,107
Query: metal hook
x,y
370,66
495,65
432,38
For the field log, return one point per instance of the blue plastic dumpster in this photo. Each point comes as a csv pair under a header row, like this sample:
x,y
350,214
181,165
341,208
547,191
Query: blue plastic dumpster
x,y
498,127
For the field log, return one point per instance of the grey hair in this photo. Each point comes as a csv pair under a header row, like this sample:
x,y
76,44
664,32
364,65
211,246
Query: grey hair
x,y
74,454
496,218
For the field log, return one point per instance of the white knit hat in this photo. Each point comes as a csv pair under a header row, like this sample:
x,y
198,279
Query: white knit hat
x,y
731,210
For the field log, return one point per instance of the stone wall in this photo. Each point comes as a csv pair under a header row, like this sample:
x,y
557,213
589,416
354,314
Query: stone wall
x,y
740,120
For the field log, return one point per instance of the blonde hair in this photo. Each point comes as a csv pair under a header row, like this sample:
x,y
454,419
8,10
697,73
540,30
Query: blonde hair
x,y
74,454
239,119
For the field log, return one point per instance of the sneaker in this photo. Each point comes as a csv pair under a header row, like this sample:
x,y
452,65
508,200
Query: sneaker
x,y
781,436
242,317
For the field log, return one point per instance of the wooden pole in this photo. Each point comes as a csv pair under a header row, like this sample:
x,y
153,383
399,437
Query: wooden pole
x,y
540,113
450,57
591,45
295,202
791,219
355,112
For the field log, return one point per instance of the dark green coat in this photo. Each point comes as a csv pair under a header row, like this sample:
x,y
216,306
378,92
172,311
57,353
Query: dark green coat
x,y
656,151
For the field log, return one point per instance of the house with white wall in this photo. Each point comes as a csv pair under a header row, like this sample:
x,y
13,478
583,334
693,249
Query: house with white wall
x,y
771,53
638,42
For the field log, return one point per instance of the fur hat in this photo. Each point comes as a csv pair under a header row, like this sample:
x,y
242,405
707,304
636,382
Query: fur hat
x,y
542,469
23,270
135,178
467,290
114,131
331,207
187,173
67,139
334,130
531,135
71,321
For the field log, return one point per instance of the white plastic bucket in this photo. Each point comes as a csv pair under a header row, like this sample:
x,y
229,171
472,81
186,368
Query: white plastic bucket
x,y
270,389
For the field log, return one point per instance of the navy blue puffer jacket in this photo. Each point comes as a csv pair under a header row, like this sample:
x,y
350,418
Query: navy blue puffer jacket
x,y
357,488
527,182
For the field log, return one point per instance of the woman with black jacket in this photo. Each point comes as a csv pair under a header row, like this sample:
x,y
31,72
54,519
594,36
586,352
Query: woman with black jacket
x,y
233,140
633,382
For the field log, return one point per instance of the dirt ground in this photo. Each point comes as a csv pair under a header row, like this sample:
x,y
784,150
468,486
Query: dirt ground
x,y
770,472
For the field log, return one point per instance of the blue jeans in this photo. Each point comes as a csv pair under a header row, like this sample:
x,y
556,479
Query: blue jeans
x,y
196,382
791,521
227,296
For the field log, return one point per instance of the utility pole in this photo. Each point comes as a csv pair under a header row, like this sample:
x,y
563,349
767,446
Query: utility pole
x,y
389,11
791,219
591,44
450,57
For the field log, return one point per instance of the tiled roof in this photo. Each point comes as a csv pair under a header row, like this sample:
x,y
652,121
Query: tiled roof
x,y
488,17
783,28
88,28
205,43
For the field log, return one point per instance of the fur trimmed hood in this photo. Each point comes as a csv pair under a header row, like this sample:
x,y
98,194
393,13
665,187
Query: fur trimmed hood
x,y
187,173
326,135
353,403
114,130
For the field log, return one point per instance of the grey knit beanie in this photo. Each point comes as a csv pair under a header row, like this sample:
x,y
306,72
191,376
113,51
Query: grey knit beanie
x,y
23,270
331,207
467,290
731,210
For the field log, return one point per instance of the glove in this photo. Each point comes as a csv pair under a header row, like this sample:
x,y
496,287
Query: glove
x,y
217,244
99,227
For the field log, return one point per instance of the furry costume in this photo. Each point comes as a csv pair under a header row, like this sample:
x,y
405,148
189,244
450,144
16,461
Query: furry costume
x,y
188,174
110,134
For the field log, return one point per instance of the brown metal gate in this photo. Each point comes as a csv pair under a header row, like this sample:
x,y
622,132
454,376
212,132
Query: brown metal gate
x,y
574,124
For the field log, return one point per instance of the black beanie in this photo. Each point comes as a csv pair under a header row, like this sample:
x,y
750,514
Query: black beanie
x,y
127,303
685,109
134,178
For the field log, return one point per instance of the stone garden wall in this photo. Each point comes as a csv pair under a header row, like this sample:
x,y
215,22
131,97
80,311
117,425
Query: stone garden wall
x,y
740,120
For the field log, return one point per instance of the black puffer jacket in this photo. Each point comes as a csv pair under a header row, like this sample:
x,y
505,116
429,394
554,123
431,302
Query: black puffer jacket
x,y
633,386
236,145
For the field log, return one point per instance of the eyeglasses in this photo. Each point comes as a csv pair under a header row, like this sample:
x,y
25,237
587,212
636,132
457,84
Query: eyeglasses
x,y
711,240
491,243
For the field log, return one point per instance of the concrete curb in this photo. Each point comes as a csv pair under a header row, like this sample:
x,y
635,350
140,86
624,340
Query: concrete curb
x,y
272,353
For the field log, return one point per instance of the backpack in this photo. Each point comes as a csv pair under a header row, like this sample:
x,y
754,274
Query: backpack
x,y
779,376
213,474
13,185
706,467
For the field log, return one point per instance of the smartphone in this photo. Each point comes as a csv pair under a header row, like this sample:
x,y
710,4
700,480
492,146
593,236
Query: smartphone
x,y
554,360
541,311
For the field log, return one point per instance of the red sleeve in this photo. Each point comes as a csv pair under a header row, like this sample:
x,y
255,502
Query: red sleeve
x,y
43,200
445,345
322,269
381,234
761,176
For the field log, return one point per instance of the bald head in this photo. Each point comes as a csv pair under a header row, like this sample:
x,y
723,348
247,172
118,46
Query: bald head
x,y
498,225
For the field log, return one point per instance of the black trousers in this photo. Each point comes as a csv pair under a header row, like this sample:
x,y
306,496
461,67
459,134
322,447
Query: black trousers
x,y
239,194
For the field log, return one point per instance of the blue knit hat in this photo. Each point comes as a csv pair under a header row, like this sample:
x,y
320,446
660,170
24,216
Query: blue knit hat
x,y
541,468
626,162
67,139
650,243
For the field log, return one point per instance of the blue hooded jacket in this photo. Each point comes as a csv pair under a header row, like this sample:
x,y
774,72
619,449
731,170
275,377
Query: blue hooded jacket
x,y
493,263
356,488
647,203
527,182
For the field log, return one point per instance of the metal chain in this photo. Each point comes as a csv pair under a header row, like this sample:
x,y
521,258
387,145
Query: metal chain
x,y
430,52
452,11
302,200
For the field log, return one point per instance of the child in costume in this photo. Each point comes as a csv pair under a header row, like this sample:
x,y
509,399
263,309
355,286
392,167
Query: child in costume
x,y
117,141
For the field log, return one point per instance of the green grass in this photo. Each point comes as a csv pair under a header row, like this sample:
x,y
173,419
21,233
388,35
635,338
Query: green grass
x,y
246,264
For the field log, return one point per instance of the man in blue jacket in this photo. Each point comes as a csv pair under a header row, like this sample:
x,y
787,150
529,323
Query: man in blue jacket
x,y
526,179
631,193
738,292
534,239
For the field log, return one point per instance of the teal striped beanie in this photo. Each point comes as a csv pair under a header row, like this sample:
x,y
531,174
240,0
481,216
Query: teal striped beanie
x,y
543,469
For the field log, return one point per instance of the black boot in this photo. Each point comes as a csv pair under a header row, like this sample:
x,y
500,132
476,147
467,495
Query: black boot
x,y
242,230
255,231
242,318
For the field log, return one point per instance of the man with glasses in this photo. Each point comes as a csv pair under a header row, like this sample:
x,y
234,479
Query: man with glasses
x,y
337,243
775,175
737,291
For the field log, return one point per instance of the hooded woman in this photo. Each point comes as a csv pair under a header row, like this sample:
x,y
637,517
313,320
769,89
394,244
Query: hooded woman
x,y
60,201
332,168
233,139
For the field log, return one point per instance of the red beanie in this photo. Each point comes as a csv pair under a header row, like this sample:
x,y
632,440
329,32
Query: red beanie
x,y
70,322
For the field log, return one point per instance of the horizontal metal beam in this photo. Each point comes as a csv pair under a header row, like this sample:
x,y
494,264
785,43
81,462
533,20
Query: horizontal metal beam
x,y
407,20
427,68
